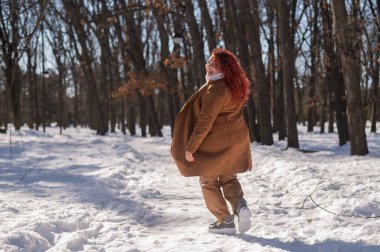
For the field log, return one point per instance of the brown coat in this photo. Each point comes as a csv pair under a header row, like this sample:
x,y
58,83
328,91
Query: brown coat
x,y
211,127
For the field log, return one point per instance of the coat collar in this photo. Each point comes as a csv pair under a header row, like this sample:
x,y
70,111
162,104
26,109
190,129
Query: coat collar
x,y
215,81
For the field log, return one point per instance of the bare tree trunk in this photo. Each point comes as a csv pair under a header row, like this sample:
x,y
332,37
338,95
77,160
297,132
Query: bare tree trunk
x,y
35,98
330,103
206,20
225,26
328,86
345,36
252,25
73,11
280,96
14,86
197,41
111,105
60,90
281,104
129,104
116,68
183,71
288,58
122,117
312,104
375,79
3,111
237,32
11,26
105,86
30,88
172,90
334,76
272,65
324,103
76,91
57,46
249,112
299,92
43,95
146,103
375,95
60,101
375,109
143,115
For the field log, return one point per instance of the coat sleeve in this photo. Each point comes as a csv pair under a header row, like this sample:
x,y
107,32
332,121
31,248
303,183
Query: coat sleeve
x,y
212,102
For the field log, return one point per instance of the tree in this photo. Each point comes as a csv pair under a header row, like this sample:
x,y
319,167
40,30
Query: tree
x,y
169,68
346,37
333,76
73,11
197,40
312,106
206,19
375,67
288,58
135,50
252,25
15,36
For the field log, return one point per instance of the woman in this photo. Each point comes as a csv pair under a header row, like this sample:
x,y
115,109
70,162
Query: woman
x,y
211,140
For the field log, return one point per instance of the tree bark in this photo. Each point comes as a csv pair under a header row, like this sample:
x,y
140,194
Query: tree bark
x,y
299,103
197,41
14,39
334,76
280,96
324,103
312,104
252,26
288,58
345,33
375,78
206,19
73,11
9,36
272,65
128,105
60,66
137,57
31,84
238,33
225,26
330,104
172,89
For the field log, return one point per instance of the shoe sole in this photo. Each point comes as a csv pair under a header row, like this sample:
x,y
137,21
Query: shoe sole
x,y
244,220
227,231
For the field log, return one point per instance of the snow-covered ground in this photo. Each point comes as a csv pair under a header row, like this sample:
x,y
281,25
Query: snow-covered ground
x,y
83,192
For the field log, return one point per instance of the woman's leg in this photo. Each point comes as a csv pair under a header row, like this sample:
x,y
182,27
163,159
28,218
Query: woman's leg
x,y
234,194
213,196
232,190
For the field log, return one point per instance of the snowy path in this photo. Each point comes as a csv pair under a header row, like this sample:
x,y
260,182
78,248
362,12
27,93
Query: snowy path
x,y
84,192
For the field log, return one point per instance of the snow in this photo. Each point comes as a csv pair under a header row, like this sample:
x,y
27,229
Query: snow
x,y
82,192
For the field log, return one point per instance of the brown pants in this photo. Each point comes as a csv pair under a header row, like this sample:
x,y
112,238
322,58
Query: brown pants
x,y
213,196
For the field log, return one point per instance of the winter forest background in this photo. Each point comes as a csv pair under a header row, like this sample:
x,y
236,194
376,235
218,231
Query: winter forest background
x,y
115,64
83,83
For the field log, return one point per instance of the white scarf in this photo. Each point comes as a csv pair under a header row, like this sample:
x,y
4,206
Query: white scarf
x,y
214,76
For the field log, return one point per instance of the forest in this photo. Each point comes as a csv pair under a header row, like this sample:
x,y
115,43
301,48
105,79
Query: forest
x,y
129,65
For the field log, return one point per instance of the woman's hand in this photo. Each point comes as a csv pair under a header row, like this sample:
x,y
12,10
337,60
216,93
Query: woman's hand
x,y
189,156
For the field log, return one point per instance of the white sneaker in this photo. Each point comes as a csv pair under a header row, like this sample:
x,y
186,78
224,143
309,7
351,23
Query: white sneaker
x,y
244,218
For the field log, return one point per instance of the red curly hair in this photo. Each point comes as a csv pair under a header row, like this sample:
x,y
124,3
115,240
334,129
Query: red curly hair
x,y
234,75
